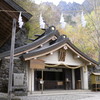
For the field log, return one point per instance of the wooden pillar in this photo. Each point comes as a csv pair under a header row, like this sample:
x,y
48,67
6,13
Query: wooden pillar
x,y
29,80
32,80
27,75
85,77
11,60
82,84
73,79
42,83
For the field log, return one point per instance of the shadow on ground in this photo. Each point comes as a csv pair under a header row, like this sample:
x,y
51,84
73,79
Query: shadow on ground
x,y
11,99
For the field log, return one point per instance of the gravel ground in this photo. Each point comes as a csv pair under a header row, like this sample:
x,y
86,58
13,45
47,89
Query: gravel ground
x,y
60,95
64,95
3,99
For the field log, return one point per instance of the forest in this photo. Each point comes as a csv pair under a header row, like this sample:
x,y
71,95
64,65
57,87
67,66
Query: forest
x,y
86,38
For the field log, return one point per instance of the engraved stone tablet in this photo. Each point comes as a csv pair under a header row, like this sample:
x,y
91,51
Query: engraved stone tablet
x,y
18,79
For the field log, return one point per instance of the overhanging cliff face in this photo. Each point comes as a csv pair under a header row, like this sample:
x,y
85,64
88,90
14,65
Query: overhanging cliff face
x,y
19,65
21,39
8,11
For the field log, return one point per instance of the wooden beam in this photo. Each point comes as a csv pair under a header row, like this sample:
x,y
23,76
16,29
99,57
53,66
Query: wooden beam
x,y
5,29
7,19
6,7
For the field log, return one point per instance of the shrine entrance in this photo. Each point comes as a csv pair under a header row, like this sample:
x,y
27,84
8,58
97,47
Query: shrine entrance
x,y
54,78
78,79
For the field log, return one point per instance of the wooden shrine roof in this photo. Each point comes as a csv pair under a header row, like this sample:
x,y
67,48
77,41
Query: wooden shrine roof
x,y
97,74
45,37
6,18
60,43
34,49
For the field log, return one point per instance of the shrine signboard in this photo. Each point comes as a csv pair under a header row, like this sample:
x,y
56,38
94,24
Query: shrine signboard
x,y
37,64
18,79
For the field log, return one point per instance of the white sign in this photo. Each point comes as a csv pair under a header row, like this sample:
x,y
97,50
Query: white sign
x,y
18,79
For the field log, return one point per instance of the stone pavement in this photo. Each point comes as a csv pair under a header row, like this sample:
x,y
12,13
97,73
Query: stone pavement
x,y
3,96
61,95
3,99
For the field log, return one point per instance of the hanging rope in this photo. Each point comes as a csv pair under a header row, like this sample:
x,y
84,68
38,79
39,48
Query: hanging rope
x,y
12,11
56,65
27,12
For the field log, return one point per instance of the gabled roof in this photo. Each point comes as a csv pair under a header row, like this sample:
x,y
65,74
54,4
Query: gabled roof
x,y
40,52
80,53
45,37
60,42
29,51
97,74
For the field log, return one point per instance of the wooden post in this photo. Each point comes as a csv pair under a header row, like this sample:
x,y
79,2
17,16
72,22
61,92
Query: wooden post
x,y
73,79
31,79
42,83
11,60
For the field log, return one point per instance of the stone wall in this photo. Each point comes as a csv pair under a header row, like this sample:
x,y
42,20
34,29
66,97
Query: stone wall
x,y
21,37
19,67
3,75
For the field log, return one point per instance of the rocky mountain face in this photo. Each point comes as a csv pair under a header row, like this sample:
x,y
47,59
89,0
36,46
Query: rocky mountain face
x,y
73,8
70,8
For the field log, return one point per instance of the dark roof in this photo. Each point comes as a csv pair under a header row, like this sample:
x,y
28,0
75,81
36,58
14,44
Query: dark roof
x,y
81,53
61,41
18,8
6,19
46,50
45,37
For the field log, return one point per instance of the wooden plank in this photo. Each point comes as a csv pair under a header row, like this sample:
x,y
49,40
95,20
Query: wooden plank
x,y
11,60
37,64
5,6
5,27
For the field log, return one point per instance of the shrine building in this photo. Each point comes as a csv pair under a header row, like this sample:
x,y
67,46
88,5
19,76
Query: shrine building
x,y
53,61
